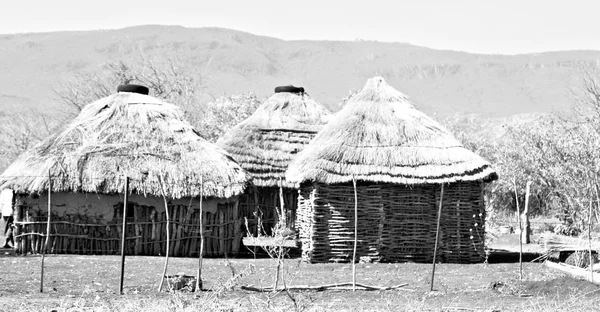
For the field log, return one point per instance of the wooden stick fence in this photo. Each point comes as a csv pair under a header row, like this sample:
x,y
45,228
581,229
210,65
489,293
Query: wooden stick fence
x,y
80,234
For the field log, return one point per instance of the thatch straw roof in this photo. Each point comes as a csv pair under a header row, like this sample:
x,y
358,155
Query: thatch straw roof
x,y
379,136
127,134
265,142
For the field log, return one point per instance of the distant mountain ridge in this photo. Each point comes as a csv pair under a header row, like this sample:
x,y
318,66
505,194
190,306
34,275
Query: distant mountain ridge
x,y
441,82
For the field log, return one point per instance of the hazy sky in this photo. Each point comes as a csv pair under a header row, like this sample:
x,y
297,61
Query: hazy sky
x,y
482,26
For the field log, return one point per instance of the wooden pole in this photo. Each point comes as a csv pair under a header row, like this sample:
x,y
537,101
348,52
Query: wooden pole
x,y
123,235
590,228
47,230
355,234
590,243
256,210
199,279
281,222
282,205
162,190
520,232
437,235
525,217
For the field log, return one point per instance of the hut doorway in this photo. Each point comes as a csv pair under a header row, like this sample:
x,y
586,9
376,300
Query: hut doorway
x,y
261,206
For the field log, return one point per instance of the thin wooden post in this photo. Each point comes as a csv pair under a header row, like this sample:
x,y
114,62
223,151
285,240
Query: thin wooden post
x,y
590,228
525,217
123,234
281,222
256,211
355,234
520,232
437,235
590,243
47,230
162,190
282,204
199,279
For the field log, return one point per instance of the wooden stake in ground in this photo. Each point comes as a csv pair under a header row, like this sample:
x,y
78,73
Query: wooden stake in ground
x,y
590,228
281,228
520,232
47,230
525,217
590,243
437,235
282,205
162,190
123,234
199,278
355,235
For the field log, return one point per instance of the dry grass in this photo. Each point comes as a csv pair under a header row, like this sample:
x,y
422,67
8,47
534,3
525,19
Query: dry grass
x,y
90,283
379,136
133,134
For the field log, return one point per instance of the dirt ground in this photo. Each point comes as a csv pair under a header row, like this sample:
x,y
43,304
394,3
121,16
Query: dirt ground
x,y
91,283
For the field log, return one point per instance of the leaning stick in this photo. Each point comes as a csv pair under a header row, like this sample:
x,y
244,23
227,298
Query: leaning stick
x,y
342,286
520,233
355,234
123,235
199,279
47,230
162,190
437,235
590,243
590,229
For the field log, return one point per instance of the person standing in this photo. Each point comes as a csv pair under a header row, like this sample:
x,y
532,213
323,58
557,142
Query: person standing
x,y
8,231
6,211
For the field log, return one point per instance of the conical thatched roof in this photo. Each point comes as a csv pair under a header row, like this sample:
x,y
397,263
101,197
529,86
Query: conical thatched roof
x,y
265,143
127,134
379,136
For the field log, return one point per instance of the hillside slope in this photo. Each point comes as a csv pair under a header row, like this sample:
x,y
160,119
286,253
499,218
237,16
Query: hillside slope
x,y
440,82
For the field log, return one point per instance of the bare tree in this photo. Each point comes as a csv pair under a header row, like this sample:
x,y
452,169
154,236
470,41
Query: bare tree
x,y
22,130
167,77
225,112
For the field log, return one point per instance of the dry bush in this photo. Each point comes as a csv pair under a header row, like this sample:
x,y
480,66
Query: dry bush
x,y
557,152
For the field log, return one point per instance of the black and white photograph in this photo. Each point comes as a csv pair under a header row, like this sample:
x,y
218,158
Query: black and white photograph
x,y
300,155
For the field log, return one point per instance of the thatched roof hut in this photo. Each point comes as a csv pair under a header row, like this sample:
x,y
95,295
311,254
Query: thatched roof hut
x,y
141,137
379,136
399,157
266,142
127,134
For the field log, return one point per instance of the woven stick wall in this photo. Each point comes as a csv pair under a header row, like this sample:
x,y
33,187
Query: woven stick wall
x,y
397,223
146,232
264,201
